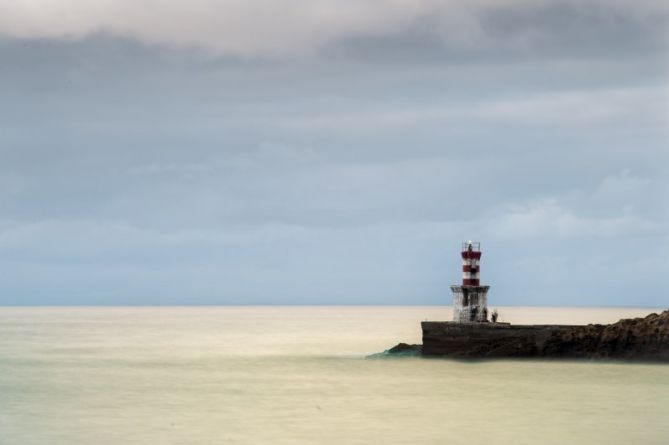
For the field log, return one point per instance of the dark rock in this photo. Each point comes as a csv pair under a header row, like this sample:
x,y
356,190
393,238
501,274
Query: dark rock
x,y
400,350
403,348
628,339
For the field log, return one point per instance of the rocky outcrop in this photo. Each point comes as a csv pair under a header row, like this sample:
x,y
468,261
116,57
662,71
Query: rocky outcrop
x,y
404,348
637,338
400,350
629,339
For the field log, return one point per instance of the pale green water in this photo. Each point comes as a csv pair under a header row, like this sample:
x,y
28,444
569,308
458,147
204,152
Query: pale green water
x,y
297,375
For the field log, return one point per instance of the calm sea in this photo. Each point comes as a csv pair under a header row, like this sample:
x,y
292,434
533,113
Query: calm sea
x,y
298,375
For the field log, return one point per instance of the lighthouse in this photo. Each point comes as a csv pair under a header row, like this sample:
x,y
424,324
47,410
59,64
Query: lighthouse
x,y
470,300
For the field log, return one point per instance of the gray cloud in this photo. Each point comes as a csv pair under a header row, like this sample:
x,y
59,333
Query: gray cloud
x,y
336,156
259,27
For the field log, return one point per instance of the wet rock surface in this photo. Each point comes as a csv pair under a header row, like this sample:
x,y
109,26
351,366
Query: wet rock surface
x,y
400,350
404,348
643,339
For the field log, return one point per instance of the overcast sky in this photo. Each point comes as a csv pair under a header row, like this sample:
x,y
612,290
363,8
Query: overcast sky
x,y
333,151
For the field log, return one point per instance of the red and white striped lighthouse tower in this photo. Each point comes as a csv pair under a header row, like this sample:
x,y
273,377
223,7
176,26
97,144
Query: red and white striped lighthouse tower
x,y
471,262
470,300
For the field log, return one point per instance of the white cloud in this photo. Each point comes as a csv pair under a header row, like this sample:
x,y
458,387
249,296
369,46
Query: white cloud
x,y
621,206
647,105
244,27
548,218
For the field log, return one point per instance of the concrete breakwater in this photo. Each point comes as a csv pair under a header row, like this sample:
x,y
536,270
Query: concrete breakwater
x,y
628,339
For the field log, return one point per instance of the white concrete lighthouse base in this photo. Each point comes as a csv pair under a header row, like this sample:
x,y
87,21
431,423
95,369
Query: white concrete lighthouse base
x,y
470,303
